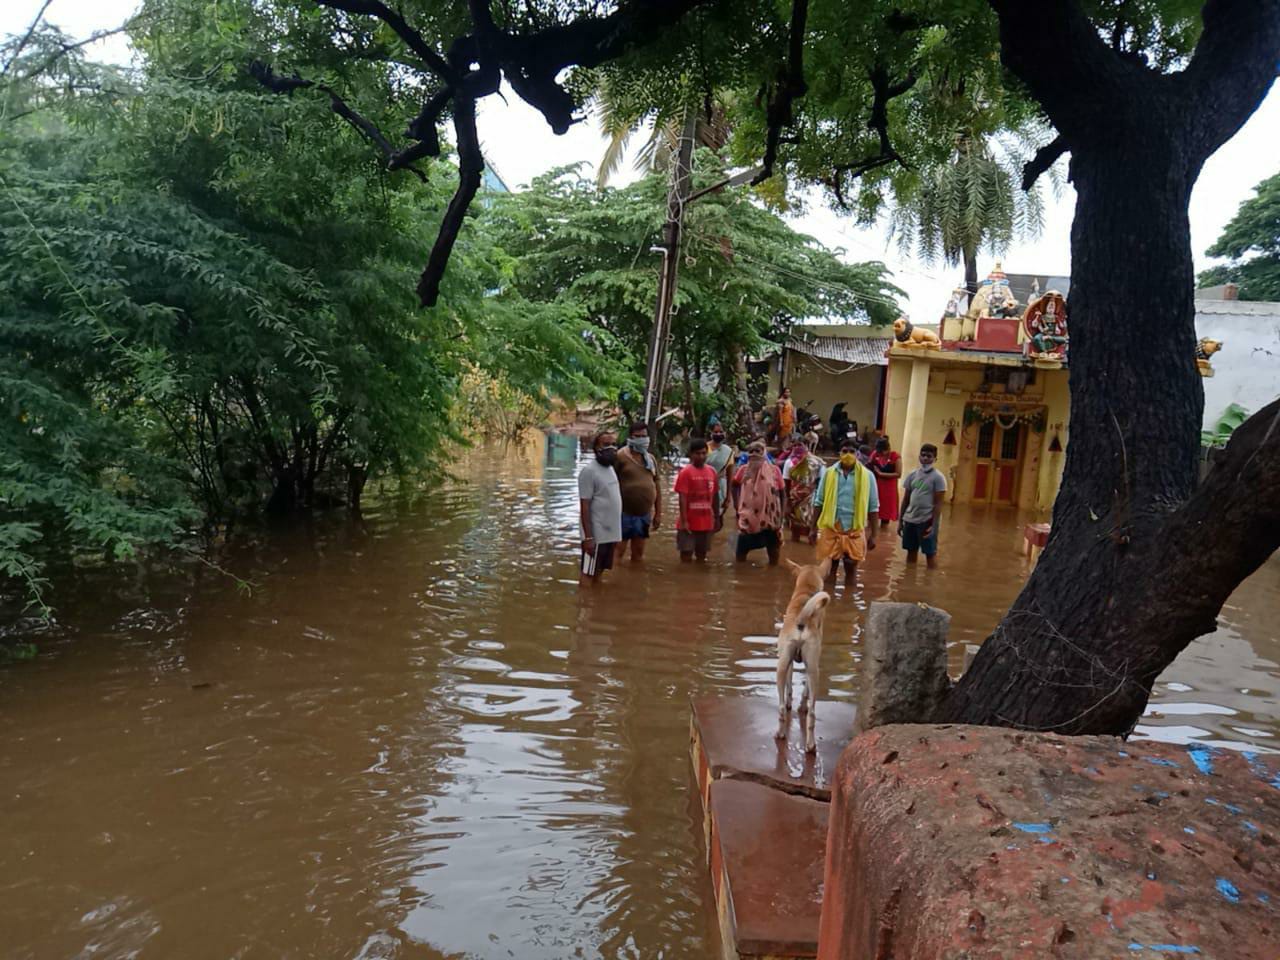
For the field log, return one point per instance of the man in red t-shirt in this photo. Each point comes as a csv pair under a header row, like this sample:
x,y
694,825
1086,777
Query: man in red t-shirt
x,y
696,485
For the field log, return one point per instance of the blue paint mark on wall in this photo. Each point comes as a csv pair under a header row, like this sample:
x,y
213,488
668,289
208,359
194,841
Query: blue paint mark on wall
x,y
1259,770
1202,757
1160,761
1172,948
1227,889
1033,827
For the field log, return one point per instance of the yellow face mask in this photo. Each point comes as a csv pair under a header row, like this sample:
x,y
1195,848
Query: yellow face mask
x,y
848,459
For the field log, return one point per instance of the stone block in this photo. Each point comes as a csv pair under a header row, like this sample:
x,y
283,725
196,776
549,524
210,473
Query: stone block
x,y
767,868
732,737
985,843
904,664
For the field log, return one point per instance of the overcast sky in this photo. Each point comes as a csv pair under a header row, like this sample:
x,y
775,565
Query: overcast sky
x,y
520,145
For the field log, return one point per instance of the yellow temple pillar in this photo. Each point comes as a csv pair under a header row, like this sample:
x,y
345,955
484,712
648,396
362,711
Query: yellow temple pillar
x,y
913,422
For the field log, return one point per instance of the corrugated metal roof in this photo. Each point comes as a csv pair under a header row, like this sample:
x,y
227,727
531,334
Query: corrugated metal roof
x,y
845,350
1240,308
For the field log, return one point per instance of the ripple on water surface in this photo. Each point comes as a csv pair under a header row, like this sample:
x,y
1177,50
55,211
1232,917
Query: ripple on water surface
x,y
418,739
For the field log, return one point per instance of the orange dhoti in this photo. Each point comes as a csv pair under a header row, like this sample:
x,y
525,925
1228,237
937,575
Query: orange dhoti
x,y
836,543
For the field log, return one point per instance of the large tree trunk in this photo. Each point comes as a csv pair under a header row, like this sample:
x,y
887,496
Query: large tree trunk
x,y
1139,562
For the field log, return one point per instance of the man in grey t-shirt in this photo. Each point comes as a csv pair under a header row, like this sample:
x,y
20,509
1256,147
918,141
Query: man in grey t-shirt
x,y
600,502
921,504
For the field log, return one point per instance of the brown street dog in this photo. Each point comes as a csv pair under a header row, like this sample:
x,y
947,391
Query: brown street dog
x,y
801,642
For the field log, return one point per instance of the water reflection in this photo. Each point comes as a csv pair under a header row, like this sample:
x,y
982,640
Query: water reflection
x,y
419,739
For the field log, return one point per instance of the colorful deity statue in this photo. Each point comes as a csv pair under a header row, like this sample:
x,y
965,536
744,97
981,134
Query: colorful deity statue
x,y
993,299
1044,326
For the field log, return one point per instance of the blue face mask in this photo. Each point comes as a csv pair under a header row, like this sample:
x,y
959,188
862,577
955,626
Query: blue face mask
x,y
638,443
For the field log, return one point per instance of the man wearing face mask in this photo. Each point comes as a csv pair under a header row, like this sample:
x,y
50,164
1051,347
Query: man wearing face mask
x,y
600,508
638,480
847,506
923,492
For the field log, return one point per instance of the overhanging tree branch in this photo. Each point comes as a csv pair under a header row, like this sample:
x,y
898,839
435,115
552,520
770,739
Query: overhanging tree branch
x,y
414,40
366,127
789,87
882,92
1044,158
470,170
474,67
1233,67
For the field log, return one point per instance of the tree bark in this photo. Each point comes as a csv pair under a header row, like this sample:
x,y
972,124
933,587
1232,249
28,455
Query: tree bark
x,y
971,271
1139,562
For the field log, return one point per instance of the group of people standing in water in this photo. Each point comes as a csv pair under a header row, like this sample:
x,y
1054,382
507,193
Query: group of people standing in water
x,y
839,508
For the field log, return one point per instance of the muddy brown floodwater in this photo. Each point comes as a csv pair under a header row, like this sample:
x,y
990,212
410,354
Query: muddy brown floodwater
x,y
418,739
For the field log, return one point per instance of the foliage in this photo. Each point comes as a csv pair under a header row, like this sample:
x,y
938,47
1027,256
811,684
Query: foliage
x,y
972,201
1252,241
581,265
1224,426
206,321
491,408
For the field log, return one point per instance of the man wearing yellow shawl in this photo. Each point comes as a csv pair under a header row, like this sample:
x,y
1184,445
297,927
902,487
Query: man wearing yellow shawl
x,y
847,507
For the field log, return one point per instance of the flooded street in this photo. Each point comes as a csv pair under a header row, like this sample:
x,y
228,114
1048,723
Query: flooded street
x,y
417,738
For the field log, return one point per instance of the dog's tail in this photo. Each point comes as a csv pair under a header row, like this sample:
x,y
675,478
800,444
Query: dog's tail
x,y
814,604
793,565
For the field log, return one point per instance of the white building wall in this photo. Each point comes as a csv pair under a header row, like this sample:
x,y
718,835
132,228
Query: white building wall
x,y
1247,370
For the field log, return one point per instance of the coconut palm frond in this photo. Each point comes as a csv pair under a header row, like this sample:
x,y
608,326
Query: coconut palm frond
x,y
613,153
973,201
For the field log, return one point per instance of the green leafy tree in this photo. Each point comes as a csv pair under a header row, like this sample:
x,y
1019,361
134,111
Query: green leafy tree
x,y
581,265
181,342
1252,241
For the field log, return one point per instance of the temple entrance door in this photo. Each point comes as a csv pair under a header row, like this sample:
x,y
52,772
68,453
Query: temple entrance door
x,y
998,461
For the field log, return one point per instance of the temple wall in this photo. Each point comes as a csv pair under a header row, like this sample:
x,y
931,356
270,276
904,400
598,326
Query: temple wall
x,y
951,387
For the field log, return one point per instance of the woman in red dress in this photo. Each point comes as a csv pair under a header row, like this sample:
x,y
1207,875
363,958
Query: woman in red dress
x,y
887,466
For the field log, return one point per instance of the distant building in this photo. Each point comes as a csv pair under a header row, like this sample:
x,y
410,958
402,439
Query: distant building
x,y
493,182
988,384
837,363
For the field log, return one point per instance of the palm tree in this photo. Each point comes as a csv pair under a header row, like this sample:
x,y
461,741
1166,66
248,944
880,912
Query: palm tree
x,y
974,200
711,130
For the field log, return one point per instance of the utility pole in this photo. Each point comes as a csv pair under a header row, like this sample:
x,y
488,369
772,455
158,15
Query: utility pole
x,y
679,196
655,379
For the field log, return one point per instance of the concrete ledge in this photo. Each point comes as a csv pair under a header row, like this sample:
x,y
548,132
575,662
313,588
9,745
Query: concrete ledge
x,y
984,843
766,867
732,737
